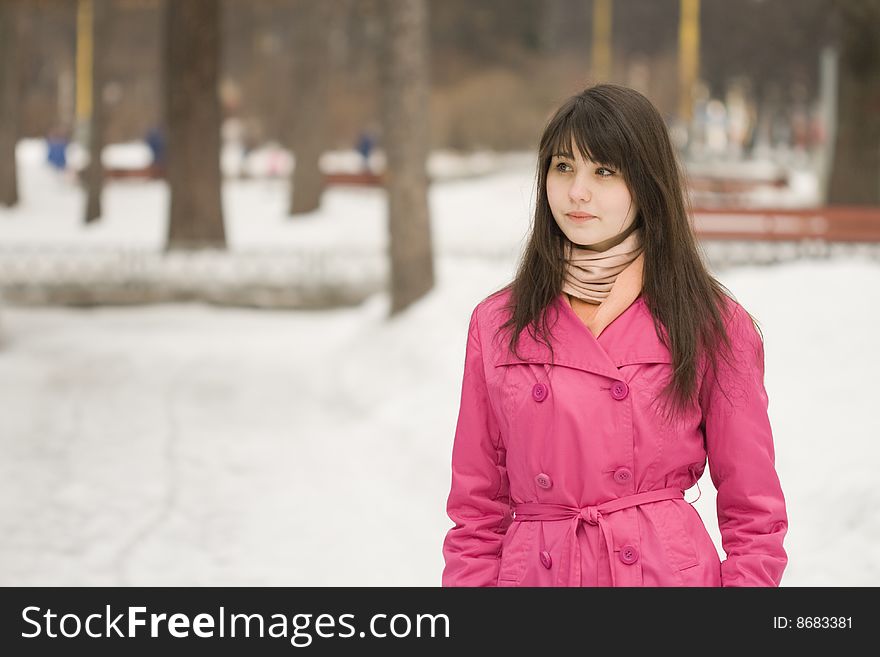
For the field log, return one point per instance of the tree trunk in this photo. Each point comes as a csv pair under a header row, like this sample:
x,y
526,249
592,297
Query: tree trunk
x,y
193,115
551,21
10,94
855,172
405,135
94,174
312,56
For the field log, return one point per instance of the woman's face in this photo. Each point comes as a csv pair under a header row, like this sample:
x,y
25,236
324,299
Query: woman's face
x,y
589,201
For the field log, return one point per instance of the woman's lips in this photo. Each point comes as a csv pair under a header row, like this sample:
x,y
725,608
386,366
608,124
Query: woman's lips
x,y
580,217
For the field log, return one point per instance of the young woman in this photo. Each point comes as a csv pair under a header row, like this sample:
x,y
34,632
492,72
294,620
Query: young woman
x,y
601,379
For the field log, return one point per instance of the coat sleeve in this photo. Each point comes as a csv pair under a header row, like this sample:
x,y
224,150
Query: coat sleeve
x,y
751,508
478,501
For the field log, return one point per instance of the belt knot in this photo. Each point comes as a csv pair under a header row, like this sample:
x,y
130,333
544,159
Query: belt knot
x,y
590,514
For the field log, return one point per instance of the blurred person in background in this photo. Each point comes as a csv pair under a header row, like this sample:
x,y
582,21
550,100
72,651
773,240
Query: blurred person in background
x,y
56,148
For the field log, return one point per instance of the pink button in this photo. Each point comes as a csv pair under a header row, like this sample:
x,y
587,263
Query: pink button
x,y
539,392
629,554
623,475
543,480
546,561
619,390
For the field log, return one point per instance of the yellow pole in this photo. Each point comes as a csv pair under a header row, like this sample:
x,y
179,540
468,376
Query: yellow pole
x,y
84,53
601,40
688,56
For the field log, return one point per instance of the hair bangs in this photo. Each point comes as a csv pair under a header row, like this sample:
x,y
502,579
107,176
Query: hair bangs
x,y
591,132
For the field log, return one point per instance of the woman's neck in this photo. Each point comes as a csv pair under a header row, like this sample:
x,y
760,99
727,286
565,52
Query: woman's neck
x,y
614,240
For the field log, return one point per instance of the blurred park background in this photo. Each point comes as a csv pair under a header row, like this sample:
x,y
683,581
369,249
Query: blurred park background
x,y
231,344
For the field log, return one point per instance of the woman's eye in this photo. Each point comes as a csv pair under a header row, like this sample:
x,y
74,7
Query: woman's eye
x,y
561,166
604,172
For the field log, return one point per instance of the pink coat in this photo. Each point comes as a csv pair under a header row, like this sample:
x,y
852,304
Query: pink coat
x,y
566,474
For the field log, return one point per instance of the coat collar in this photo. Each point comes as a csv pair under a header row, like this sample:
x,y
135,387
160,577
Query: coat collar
x,y
624,332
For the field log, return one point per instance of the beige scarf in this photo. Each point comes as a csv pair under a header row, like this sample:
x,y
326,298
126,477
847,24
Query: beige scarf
x,y
590,274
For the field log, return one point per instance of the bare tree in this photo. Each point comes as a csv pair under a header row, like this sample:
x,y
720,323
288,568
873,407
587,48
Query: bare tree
x,y
10,93
193,113
312,57
405,135
855,172
94,174
551,24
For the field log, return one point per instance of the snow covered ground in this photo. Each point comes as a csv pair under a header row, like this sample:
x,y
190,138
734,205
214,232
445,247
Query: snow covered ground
x,y
194,445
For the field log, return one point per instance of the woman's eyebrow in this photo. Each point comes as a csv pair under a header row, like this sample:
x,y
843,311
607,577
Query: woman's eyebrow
x,y
566,154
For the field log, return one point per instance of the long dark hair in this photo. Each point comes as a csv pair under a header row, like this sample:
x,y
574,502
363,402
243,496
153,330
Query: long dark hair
x,y
619,127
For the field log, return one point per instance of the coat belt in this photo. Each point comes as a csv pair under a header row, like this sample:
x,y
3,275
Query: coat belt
x,y
569,573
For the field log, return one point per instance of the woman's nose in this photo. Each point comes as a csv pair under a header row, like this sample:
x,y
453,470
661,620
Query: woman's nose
x,y
579,190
